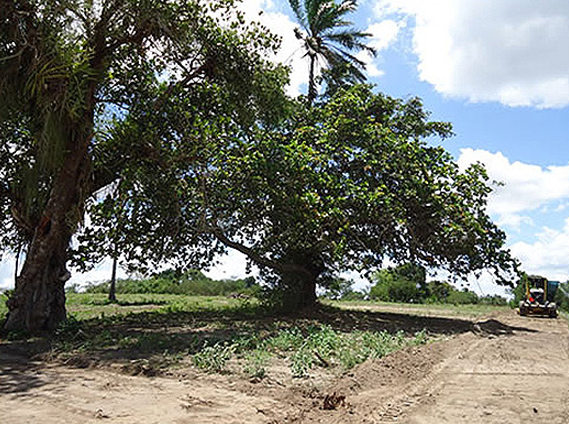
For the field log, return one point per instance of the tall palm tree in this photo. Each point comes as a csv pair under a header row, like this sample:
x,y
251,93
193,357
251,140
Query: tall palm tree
x,y
327,35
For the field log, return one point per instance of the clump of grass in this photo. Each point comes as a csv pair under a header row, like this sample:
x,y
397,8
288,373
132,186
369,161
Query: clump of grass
x,y
326,347
255,363
214,358
301,362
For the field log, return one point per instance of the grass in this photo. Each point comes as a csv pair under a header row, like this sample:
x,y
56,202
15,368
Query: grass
x,y
421,309
218,334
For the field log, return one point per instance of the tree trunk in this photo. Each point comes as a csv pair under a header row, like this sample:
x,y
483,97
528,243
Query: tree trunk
x,y
113,284
38,302
307,292
300,288
312,80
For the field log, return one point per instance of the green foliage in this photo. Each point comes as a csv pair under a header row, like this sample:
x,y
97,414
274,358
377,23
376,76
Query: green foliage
x,y
518,291
401,284
111,107
255,363
496,300
464,297
438,291
407,284
287,339
349,183
340,289
192,283
562,296
214,358
325,347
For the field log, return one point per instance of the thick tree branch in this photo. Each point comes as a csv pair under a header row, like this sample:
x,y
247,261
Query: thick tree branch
x,y
257,258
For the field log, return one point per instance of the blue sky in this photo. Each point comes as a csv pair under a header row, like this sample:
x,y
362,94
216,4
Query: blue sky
x,y
499,71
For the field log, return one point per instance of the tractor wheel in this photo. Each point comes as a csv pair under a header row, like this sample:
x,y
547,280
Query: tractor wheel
x,y
523,309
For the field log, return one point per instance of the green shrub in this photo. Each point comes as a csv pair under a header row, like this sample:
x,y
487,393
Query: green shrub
x,y
255,362
214,358
462,297
191,283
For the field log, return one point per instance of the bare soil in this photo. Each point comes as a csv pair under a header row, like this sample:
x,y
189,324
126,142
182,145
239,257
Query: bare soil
x,y
502,369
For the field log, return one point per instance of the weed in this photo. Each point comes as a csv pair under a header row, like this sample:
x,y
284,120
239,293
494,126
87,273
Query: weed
x,y
301,361
213,358
255,362
420,338
286,340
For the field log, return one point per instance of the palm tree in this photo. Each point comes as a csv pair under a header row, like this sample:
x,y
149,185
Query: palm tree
x,y
327,35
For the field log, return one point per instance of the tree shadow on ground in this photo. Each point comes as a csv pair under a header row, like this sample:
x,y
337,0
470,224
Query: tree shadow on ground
x,y
161,334
18,373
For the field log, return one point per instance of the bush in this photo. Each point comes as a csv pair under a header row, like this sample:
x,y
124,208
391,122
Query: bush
x,y
389,288
562,297
192,283
462,297
496,300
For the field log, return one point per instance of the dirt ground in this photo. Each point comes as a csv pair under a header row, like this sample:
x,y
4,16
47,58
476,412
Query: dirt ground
x,y
506,369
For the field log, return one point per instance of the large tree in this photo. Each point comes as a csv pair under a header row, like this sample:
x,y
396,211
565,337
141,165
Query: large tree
x,y
348,184
328,37
80,80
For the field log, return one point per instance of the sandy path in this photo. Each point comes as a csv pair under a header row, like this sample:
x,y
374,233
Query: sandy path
x,y
517,378
508,370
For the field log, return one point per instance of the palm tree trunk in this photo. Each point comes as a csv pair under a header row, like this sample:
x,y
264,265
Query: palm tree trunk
x,y
312,80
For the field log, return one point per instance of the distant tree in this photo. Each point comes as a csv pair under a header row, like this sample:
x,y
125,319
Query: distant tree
x,y
405,283
493,300
339,288
438,291
328,36
462,297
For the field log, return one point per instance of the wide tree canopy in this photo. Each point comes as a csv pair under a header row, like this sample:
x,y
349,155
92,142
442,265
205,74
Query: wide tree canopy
x,y
348,184
79,77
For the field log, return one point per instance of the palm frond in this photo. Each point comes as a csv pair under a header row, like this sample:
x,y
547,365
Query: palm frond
x,y
299,12
352,40
330,37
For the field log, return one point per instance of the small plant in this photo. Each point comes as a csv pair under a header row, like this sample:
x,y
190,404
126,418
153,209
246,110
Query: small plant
x,y
69,328
421,337
213,358
286,340
301,361
255,362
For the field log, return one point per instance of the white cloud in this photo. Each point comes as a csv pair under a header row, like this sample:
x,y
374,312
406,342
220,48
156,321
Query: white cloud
x,y
510,51
529,188
384,33
525,187
548,255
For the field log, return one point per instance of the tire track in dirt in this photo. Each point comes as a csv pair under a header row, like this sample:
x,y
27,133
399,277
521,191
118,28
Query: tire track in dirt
x,y
521,377
509,369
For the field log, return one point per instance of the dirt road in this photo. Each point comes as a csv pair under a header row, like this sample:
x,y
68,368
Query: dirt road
x,y
508,369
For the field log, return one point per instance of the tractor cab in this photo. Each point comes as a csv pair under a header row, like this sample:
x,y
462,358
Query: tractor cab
x,y
537,288
539,297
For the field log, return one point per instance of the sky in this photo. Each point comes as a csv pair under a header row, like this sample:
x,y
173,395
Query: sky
x,y
499,71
